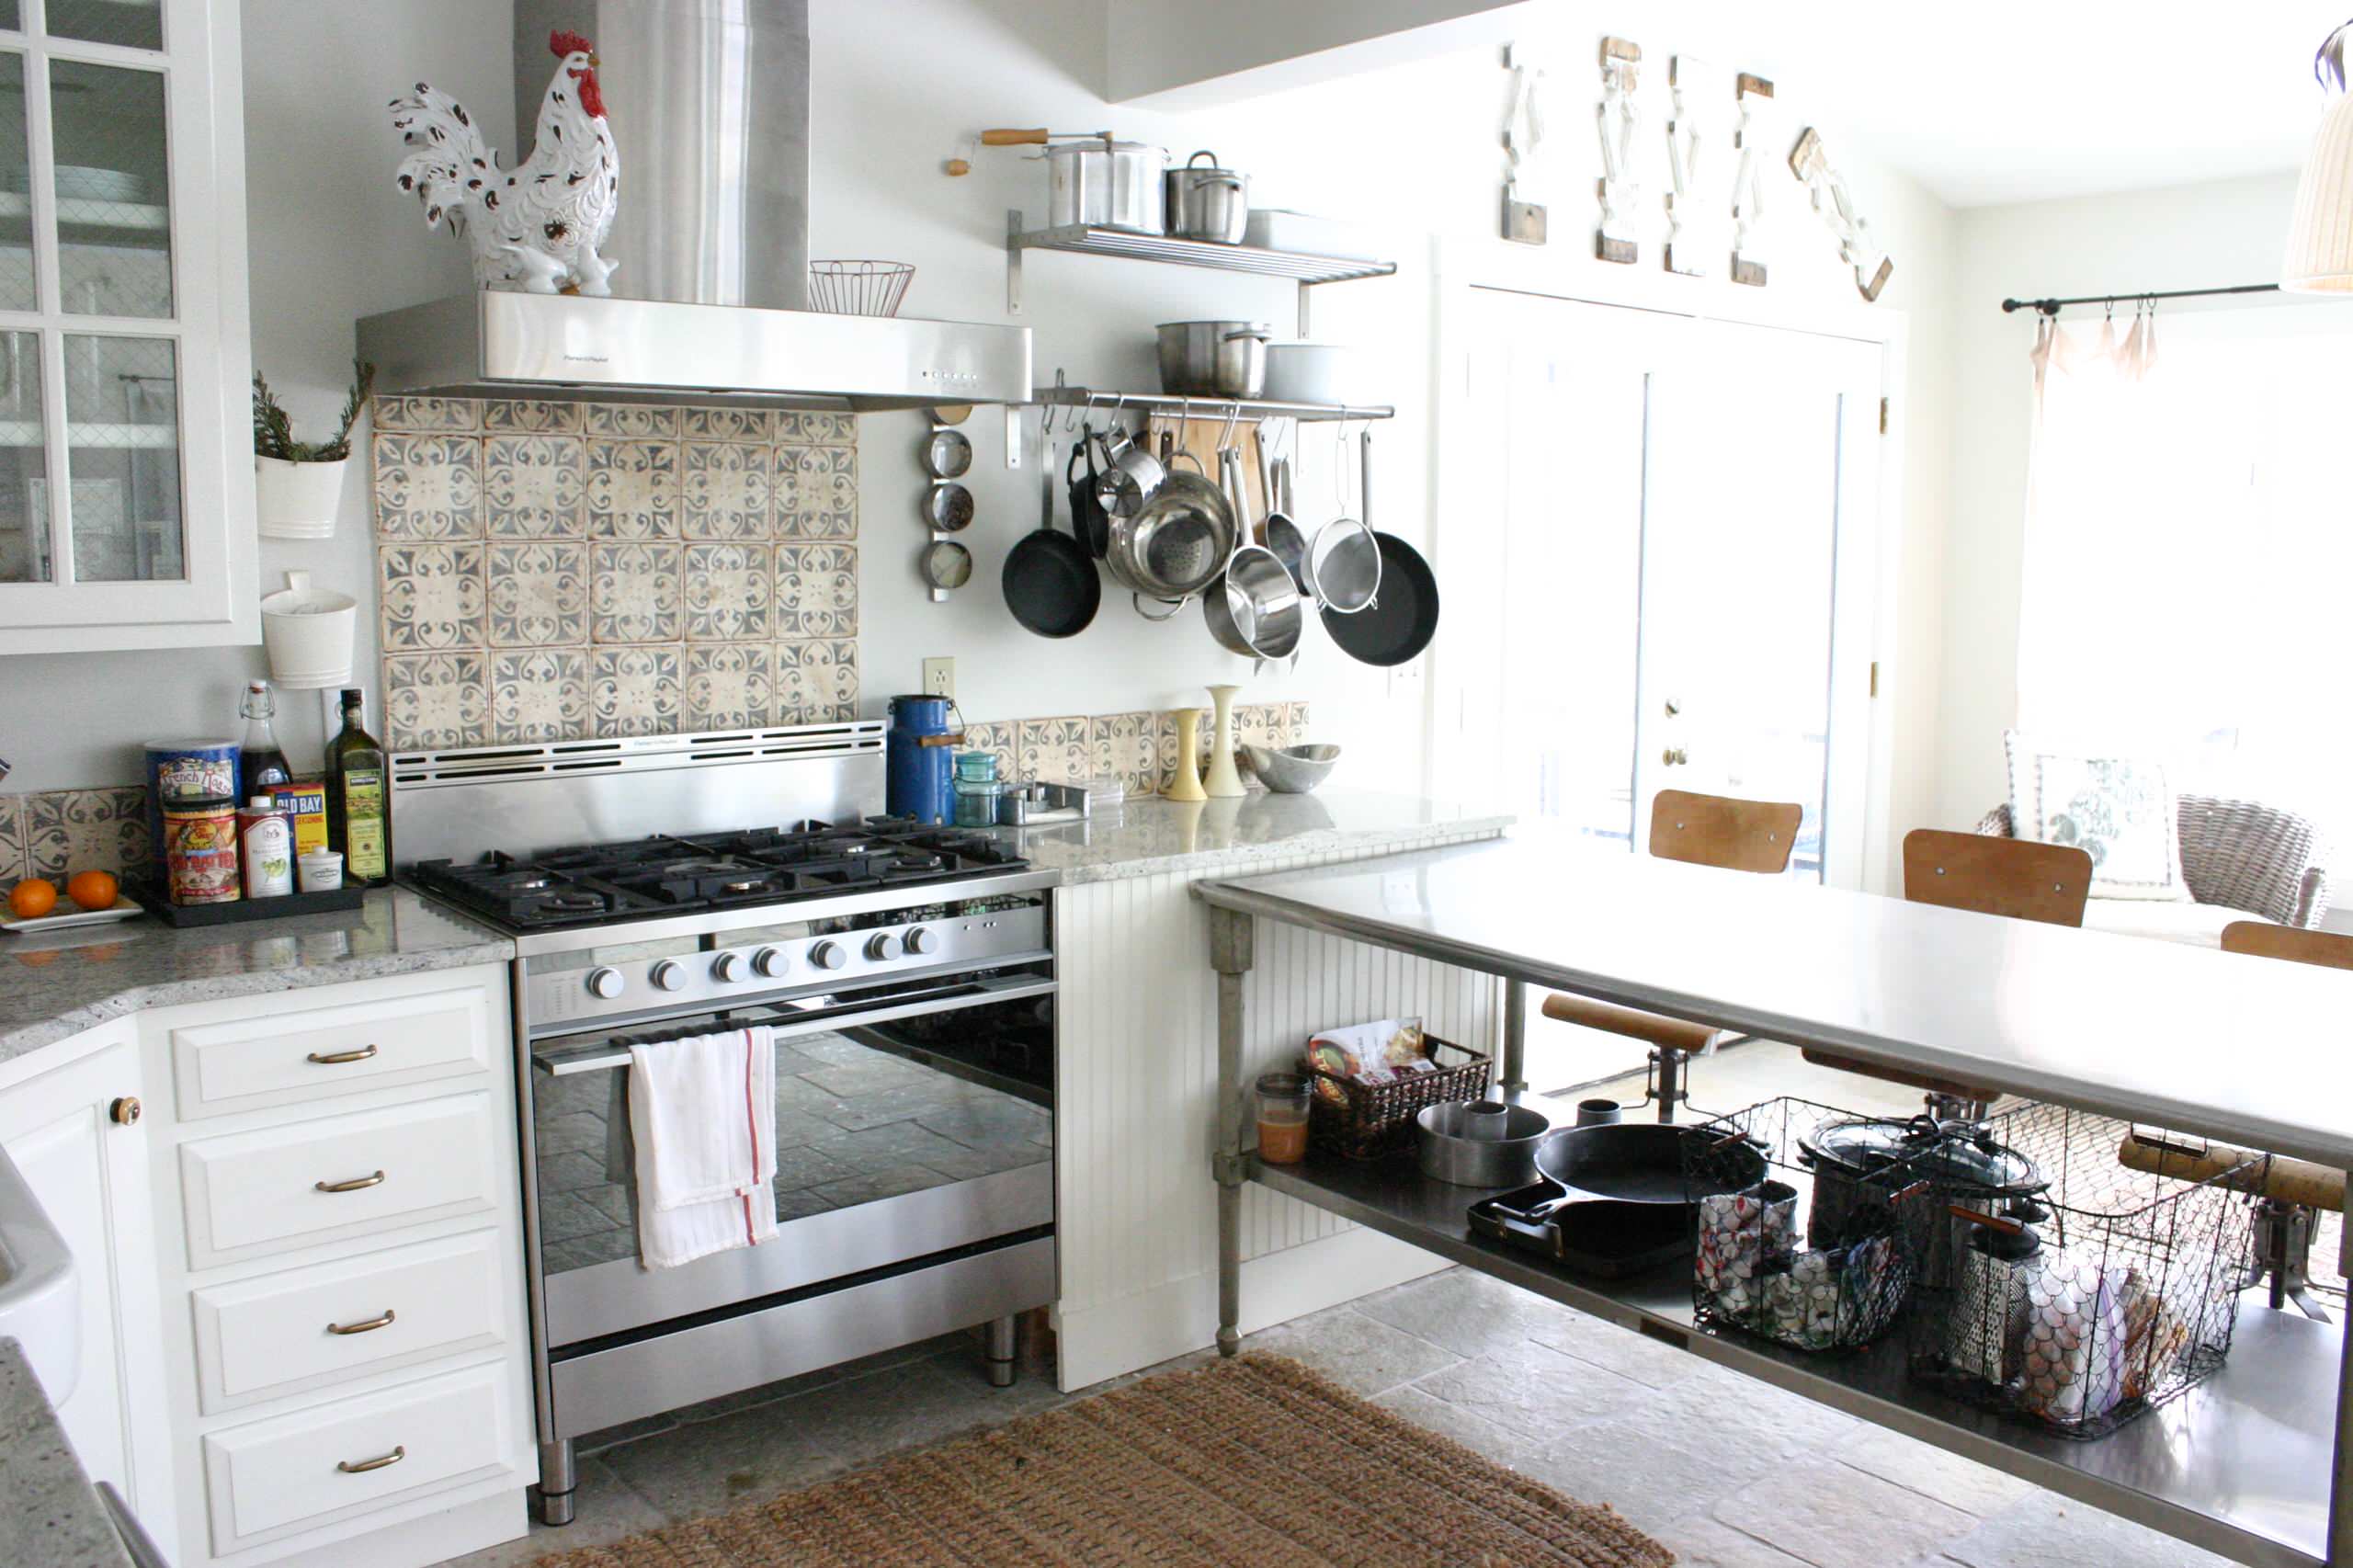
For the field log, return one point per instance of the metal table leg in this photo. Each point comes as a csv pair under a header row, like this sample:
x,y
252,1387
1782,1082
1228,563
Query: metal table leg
x,y
1515,1063
2340,1475
559,1478
1232,943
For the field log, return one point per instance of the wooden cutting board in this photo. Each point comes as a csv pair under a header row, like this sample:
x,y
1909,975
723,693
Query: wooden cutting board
x,y
1200,436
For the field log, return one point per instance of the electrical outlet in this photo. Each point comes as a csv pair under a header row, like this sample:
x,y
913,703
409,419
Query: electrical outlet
x,y
940,678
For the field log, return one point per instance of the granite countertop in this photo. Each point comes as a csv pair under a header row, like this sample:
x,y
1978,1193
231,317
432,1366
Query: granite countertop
x,y
50,1513
61,982
1144,837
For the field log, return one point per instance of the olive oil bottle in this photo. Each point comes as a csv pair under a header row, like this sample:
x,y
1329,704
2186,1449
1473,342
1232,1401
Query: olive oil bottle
x,y
360,817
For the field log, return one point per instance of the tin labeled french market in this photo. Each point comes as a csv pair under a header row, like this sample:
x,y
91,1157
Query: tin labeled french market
x,y
180,773
200,852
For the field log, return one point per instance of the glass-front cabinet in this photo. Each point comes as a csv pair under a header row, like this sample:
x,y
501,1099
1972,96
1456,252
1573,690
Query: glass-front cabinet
x,y
126,493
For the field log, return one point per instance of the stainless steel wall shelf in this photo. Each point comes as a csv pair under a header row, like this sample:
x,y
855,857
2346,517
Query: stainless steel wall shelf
x,y
1307,271
1206,407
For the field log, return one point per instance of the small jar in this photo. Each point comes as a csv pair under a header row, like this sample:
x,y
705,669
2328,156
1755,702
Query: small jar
x,y
1283,1099
976,788
319,870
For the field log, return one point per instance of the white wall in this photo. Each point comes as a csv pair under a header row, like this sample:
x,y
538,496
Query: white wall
x,y
331,240
901,85
2185,238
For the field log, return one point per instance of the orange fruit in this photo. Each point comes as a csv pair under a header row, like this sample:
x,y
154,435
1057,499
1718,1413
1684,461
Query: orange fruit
x,y
93,889
32,898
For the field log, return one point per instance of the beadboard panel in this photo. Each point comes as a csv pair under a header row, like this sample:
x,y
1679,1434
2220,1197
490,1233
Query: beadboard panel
x,y
1136,1208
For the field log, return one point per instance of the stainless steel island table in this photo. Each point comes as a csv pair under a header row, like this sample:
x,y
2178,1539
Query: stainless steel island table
x,y
2252,1463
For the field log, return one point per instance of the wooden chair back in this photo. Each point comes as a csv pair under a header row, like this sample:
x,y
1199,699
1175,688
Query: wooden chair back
x,y
1997,876
1717,830
2266,940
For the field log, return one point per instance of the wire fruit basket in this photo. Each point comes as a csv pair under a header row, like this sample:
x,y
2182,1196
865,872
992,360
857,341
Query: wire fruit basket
x,y
1781,1261
2117,1292
859,288
1364,1121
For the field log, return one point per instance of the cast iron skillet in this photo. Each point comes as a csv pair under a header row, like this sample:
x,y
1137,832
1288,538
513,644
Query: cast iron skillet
x,y
1402,617
1050,586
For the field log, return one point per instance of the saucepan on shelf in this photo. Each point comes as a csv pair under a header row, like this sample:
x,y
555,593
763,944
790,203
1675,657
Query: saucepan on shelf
x,y
1213,359
1094,180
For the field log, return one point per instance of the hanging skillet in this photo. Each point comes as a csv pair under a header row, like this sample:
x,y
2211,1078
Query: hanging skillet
x,y
1050,586
1402,617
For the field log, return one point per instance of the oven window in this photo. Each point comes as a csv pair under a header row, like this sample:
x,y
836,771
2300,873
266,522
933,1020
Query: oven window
x,y
858,1117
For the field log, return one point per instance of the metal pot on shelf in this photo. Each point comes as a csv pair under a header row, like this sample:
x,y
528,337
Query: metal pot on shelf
x,y
1860,1165
1096,181
1213,359
1205,202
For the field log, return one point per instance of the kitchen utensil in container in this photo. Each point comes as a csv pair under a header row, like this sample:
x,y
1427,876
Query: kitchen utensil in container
x,y
1177,543
1327,373
947,454
1283,1100
1050,584
1130,476
920,758
946,507
1213,359
1503,1154
858,288
308,633
1096,181
1205,202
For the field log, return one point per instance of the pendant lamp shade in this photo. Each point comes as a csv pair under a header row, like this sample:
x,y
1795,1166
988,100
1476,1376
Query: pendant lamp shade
x,y
2319,240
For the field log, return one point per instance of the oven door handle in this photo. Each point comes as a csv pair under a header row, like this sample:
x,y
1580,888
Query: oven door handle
x,y
817,1020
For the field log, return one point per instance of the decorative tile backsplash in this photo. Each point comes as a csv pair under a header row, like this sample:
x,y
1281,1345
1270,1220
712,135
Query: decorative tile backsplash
x,y
1138,749
553,571
54,833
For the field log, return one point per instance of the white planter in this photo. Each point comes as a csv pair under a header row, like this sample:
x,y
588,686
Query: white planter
x,y
308,633
297,500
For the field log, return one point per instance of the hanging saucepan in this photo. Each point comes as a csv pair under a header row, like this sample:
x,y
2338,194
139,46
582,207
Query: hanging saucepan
x,y
1342,567
1177,544
1276,531
1087,518
1255,610
1130,474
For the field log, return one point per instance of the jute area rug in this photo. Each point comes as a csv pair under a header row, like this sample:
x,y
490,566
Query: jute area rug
x,y
1256,1461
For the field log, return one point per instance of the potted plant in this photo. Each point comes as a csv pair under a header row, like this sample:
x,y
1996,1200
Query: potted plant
x,y
297,484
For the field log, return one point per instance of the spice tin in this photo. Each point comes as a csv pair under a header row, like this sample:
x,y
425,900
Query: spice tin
x,y
179,772
200,852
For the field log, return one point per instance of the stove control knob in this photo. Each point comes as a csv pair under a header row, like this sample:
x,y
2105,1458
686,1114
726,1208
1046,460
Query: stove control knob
x,y
828,955
882,947
727,967
669,975
920,939
606,983
771,961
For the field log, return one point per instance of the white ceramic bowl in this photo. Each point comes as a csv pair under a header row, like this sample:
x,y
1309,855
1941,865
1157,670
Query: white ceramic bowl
x,y
1315,372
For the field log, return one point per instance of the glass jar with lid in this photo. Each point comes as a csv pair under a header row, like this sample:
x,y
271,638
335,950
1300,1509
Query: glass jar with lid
x,y
977,787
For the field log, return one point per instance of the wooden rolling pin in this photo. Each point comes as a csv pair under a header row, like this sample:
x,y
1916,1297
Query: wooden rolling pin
x,y
1667,1034
1909,1077
2292,1181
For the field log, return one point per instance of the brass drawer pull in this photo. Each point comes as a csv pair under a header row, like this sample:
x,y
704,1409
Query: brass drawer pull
x,y
378,1463
338,1058
354,1184
362,1327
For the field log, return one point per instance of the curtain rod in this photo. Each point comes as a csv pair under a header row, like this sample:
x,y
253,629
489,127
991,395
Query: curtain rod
x,y
2051,307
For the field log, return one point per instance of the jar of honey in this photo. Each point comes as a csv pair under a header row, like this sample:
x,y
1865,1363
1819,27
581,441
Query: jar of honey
x,y
1282,1117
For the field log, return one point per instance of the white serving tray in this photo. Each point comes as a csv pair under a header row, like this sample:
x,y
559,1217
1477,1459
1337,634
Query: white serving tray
x,y
121,909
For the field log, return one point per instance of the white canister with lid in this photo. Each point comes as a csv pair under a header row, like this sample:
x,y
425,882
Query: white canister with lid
x,y
266,848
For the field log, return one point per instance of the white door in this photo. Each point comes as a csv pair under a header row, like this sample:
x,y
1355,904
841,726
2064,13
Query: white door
x,y
1666,530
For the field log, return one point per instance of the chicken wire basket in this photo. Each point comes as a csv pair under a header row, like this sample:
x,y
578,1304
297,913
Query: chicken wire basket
x,y
1784,1260
2110,1293
858,288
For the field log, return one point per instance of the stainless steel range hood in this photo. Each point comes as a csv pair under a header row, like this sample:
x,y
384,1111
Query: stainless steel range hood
x,y
709,103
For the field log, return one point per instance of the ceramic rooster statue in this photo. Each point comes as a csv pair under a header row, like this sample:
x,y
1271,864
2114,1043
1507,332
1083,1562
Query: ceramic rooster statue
x,y
539,228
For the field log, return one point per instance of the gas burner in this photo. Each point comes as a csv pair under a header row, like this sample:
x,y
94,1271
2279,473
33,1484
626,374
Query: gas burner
x,y
571,903
907,863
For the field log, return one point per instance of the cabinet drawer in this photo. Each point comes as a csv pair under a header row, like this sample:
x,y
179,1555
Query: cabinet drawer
x,y
271,1475
261,1338
249,1194
247,1063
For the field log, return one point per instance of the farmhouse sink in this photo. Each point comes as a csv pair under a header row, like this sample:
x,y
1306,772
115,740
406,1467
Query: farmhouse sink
x,y
40,1305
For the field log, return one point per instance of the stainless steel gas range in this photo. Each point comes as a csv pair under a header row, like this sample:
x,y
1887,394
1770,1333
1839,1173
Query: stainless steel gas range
x,y
666,887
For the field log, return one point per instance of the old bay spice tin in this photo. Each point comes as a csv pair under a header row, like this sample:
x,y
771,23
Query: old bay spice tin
x,y
200,851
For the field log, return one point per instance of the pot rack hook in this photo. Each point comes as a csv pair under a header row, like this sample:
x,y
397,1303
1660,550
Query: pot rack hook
x,y
1233,420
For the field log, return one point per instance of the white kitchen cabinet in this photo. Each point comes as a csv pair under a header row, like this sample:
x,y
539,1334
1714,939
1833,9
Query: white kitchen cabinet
x,y
69,1119
126,484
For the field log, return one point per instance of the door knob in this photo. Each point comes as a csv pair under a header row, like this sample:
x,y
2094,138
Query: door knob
x,y
1675,757
124,1111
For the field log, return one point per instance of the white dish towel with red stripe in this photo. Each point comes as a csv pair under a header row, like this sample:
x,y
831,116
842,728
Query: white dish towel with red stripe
x,y
702,1116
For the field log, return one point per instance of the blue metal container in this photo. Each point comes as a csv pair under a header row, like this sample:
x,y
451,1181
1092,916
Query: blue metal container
x,y
920,758
181,773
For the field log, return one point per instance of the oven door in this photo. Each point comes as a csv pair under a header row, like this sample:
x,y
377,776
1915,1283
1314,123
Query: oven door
x,y
911,1120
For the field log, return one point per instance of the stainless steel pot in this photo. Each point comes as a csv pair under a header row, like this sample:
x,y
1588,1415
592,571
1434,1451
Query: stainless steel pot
x,y
1205,202
1447,1153
1177,544
1213,359
1106,185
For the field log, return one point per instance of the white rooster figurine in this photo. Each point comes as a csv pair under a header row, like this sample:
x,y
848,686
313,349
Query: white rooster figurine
x,y
539,229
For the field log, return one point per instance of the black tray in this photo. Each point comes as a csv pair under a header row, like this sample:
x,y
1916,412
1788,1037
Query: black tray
x,y
349,896
1609,1241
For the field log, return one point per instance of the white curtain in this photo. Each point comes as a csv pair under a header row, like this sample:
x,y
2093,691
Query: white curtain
x,y
2189,548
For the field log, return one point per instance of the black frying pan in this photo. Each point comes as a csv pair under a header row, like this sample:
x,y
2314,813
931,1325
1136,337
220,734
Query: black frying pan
x,y
1088,520
1402,617
1050,586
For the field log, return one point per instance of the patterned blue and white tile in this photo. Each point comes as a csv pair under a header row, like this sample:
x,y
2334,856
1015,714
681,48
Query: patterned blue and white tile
x,y
532,485
430,414
816,590
726,489
520,416
636,420
633,592
730,685
817,493
437,701
727,425
1060,750
1125,748
635,691
539,592
427,486
632,489
728,590
12,838
539,694
84,830
816,679
432,595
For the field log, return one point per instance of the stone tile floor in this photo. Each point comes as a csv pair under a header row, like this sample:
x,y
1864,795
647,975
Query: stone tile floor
x,y
1728,1472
